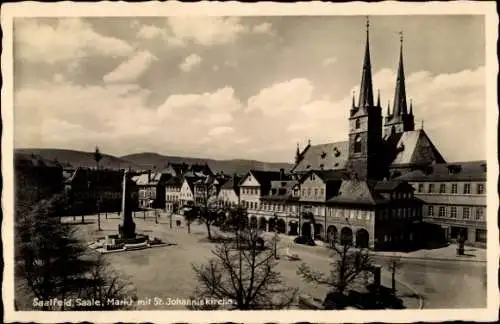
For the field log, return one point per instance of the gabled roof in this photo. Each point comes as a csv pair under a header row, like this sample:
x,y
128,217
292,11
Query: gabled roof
x,y
329,156
281,190
460,171
174,181
233,184
264,178
145,179
358,192
413,147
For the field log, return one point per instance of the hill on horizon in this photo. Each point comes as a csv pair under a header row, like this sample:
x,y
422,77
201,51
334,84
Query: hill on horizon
x,y
148,160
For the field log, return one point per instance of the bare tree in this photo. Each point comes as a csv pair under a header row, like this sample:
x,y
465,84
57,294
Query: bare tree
x,y
97,159
394,264
190,215
348,265
243,273
206,201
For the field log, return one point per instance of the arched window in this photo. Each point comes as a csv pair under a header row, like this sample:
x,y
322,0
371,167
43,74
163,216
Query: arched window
x,y
357,123
357,144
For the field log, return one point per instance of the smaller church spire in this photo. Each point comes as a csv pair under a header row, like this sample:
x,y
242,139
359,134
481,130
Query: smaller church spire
x,y
388,107
366,88
378,97
422,124
411,107
353,99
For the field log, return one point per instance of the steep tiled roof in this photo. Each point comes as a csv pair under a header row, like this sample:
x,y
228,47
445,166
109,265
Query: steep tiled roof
x,y
146,179
330,175
413,147
460,171
265,177
358,192
330,156
232,184
174,181
281,190
32,160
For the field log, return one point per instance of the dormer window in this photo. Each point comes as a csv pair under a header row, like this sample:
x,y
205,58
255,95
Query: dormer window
x,y
323,155
336,152
357,124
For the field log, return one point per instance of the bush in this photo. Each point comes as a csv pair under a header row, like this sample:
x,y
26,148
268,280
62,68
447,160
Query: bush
x,y
304,240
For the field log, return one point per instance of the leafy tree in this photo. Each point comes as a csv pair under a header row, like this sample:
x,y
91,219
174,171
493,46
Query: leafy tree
x,y
243,273
347,267
51,261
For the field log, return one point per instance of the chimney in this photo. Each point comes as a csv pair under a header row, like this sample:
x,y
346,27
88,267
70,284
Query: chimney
x,y
282,174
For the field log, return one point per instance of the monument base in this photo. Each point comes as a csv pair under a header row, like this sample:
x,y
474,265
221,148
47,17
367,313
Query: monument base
x,y
127,230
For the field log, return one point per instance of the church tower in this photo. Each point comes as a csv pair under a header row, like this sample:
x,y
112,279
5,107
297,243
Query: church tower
x,y
399,120
365,126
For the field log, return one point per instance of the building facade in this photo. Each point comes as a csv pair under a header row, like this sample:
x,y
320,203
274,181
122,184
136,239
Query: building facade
x,y
454,197
173,194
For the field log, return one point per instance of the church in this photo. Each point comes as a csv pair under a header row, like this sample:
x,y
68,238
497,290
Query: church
x,y
366,191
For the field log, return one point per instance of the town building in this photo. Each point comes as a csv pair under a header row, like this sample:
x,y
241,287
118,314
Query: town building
x,y
96,190
454,197
35,178
256,184
229,193
151,189
173,194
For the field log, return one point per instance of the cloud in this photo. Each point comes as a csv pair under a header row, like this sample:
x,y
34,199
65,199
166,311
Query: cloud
x,y
282,97
205,30
69,40
190,62
263,28
221,130
329,61
150,32
132,68
57,113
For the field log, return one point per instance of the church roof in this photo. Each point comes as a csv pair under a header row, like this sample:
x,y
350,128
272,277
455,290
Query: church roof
x,y
413,147
459,171
329,156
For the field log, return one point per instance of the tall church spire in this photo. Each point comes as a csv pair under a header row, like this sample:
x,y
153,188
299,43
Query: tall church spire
x,y
366,89
400,108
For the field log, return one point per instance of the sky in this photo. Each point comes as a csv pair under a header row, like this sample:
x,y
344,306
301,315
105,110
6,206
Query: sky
x,y
239,87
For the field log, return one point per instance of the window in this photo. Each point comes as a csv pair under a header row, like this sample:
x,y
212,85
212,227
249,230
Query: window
x,y
480,189
357,124
442,211
420,187
303,192
360,214
367,215
467,189
431,188
480,213
256,205
340,212
357,144
322,192
454,188
316,192
453,212
466,213
442,188
308,192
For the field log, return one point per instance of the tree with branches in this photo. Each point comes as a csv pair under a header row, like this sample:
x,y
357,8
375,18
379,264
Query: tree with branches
x,y
206,202
348,266
190,215
243,273
97,158
52,261
394,264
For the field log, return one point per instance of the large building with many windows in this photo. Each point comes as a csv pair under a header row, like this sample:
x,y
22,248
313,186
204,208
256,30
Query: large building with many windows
x,y
454,197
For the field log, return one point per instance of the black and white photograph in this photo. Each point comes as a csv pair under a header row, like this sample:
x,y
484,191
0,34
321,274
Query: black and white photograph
x,y
304,167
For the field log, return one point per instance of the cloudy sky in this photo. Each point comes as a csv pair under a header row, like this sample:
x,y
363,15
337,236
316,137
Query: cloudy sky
x,y
231,87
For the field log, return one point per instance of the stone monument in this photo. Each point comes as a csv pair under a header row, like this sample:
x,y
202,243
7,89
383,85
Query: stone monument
x,y
127,227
